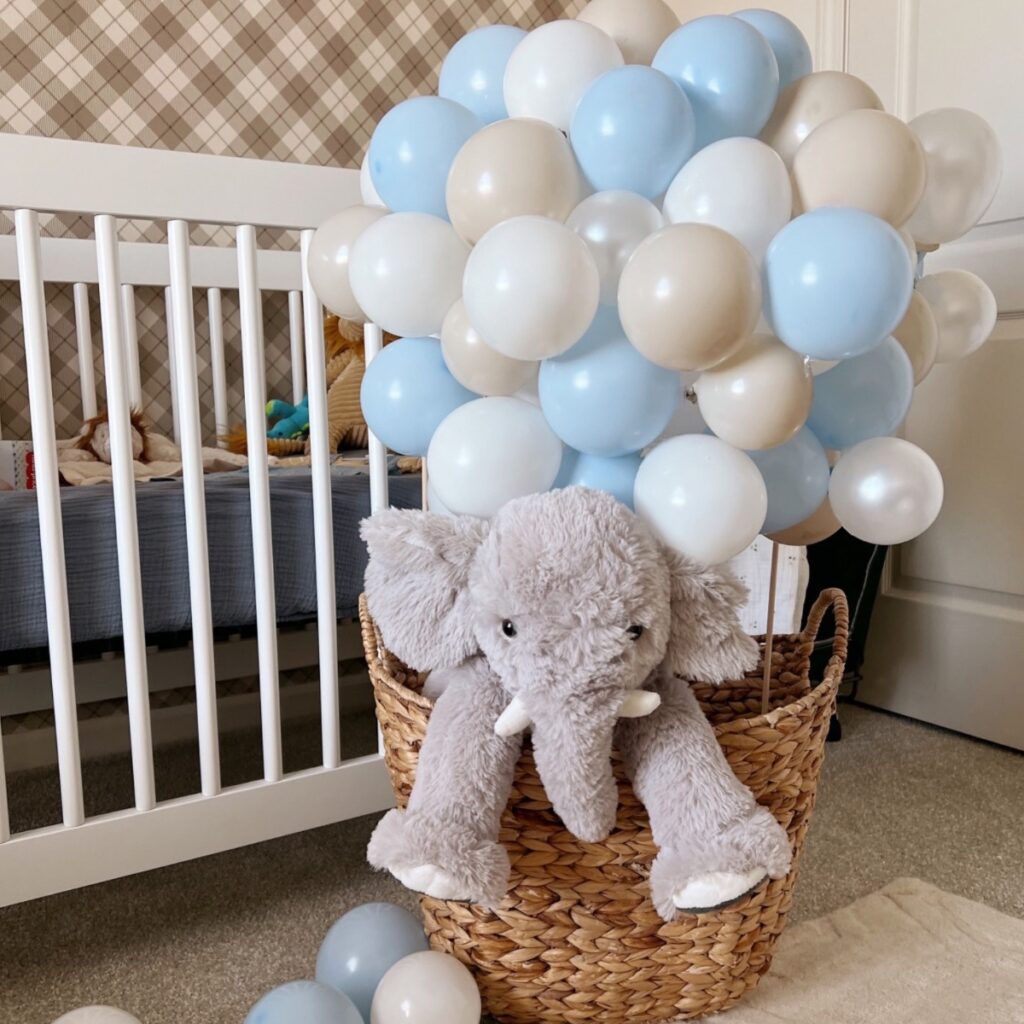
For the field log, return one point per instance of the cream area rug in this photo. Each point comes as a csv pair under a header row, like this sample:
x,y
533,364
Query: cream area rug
x,y
907,954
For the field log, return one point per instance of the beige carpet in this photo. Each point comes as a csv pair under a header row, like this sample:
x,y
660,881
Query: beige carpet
x,y
908,954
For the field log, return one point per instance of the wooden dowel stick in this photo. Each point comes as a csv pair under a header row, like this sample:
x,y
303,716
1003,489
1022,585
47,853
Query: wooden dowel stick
x,y
424,502
769,633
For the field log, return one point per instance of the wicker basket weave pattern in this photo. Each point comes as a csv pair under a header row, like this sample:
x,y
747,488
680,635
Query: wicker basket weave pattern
x,y
576,939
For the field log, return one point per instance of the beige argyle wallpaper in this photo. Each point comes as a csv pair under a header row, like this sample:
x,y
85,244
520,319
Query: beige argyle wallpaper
x,y
294,80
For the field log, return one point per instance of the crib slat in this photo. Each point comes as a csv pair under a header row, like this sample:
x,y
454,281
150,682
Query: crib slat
x,y
374,341
5,818
126,525
295,334
51,527
323,520
172,362
218,364
254,374
83,334
131,345
184,373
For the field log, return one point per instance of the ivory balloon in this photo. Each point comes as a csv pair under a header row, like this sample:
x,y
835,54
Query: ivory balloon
x,y
863,158
474,364
405,271
329,255
367,189
531,287
639,27
811,101
613,224
965,166
701,496
488,452
426,988
964,309
551,68
819,525
689,296
757,398
918,333
97,1015
510,168
739,185
886,490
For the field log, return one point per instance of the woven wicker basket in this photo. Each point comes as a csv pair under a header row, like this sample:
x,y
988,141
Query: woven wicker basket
x,y
576,939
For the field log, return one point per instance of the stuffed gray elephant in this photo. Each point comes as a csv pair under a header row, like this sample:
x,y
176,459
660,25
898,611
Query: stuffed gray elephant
x,y
566,616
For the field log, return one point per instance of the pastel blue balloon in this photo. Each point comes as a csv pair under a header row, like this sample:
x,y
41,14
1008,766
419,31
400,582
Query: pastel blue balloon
x,y
792,53
412,150
473,73
632,130
729,74
836,282
616,476
796,478
306,1001
363,945
864,397
406,392
602,397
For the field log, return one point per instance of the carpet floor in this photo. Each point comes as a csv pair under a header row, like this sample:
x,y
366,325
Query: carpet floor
x,y
199,942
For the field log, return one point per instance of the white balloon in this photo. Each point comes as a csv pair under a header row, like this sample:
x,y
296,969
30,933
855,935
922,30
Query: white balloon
x,y
406,271
329,253
426,988
965,166
687,418
885,490
97,1015
965,311
701,496
613,224
488,452
639,27
531,288
551,68
739,185
371,197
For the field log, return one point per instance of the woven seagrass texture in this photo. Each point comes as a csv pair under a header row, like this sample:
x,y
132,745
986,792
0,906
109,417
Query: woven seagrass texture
x,y
576,939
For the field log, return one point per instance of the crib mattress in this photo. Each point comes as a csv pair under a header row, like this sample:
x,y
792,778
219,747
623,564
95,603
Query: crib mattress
x,y
90,549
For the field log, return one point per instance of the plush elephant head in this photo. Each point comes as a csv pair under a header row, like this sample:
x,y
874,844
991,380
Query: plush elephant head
x,y
574,604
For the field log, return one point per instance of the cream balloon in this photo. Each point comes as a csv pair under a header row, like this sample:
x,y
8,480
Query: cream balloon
x,y
477,366
97,1015
867,159
329,253
757,398
426,988
371,197
405,271
885,490
964,309
811,101
702,497
531,288
739,185
819,525
689,296
911,246
551,68
488,452
613,224
639,27
919,335
965,166
510,168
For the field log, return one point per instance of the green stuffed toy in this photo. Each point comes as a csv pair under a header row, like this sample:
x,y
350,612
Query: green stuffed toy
x,y
292,420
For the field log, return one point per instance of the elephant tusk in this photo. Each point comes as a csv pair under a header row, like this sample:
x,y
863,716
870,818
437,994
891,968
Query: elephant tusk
x,y
639,703
513,719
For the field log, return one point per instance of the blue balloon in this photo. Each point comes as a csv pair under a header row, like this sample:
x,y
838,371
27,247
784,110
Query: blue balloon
x,y
864,397
406,392
473,73
729,74
632,130
306,1001
787,42
616,476
836,282
412,150
604,398
796,477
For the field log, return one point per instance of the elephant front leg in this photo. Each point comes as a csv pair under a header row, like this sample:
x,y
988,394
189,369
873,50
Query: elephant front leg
x,y
716,843
445,843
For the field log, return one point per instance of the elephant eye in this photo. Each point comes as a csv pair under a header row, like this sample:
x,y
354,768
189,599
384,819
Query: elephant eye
x,y
635,632
508,627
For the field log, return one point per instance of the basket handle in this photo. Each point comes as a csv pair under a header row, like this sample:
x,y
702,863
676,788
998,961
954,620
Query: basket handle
x,y
835,599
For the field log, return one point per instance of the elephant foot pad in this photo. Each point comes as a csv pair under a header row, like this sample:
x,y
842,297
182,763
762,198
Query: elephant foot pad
x,y
717,890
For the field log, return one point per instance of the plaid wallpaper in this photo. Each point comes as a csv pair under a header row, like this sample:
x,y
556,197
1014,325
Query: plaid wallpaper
x,y
294,80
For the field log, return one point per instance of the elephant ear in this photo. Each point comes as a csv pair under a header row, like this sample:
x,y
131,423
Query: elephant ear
x,y
416,584
706,640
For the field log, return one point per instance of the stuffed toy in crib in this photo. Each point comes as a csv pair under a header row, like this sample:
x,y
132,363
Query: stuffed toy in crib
x,y
564,615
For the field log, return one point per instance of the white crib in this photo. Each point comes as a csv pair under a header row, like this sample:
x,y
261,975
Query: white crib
x,y
108,183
